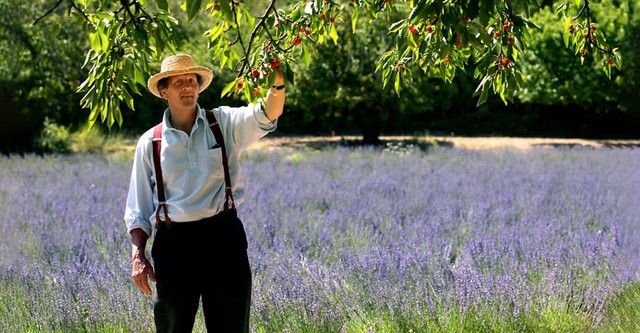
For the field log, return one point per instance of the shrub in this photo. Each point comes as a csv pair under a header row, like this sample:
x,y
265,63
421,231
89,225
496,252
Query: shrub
x,y
53,138
88,140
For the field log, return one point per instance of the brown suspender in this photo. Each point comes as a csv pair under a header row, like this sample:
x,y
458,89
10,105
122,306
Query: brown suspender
x,y
162,202
217,133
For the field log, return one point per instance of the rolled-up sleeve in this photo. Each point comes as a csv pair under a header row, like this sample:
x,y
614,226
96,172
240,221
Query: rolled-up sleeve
x,y
264,122
140,200
248,124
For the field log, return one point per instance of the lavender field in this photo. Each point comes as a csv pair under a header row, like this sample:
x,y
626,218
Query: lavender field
x,y
351,240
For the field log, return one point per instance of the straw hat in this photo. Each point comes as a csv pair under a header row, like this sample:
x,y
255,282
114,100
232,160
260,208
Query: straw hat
x,y
176,65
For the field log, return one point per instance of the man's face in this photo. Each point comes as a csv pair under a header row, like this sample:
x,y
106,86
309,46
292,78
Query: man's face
x,y
182,91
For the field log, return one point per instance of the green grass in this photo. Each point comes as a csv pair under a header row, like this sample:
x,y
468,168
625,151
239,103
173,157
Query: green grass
x,y
623,311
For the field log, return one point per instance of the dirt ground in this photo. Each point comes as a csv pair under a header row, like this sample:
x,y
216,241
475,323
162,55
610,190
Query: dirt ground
x,y
319,142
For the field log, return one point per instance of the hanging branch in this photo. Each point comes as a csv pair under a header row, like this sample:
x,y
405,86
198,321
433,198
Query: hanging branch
x,y
254,34
48,12
72,5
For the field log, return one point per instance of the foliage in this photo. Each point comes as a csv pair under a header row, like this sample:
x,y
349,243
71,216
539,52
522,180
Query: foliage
x,y
40,69
439,37
446,240
343,91
54,138
551,72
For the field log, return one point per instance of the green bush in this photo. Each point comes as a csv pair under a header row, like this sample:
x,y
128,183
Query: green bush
x,y
53,138
88,140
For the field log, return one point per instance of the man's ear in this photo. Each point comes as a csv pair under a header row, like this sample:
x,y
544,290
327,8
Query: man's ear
x,y
163,94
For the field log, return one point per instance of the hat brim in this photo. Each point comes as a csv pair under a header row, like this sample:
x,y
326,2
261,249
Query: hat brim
x,y
204,72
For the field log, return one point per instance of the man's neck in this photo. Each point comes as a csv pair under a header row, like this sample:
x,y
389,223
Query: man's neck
x,y
183,119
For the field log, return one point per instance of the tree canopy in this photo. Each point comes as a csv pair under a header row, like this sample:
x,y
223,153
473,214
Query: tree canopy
x,y
434,38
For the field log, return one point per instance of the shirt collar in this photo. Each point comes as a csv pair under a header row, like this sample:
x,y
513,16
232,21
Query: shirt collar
x,y
200,119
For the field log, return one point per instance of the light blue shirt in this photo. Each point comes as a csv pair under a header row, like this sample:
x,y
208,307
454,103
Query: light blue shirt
x,y
193,173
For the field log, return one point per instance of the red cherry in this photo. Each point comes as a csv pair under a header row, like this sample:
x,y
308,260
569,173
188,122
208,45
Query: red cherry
x,y
593,37
297,41
276,23
458,44
256,92
308,31
412,29
428,28
255,72
586,36
506,27
593,28
510,40
215,7
275,63
610,62
387,1
498,34
504,62
446,61
323,16
239,85
333,19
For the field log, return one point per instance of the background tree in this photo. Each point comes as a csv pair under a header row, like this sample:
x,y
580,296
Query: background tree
x,y
38,78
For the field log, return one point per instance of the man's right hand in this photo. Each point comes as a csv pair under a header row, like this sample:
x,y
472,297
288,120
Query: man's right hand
x,y
142,271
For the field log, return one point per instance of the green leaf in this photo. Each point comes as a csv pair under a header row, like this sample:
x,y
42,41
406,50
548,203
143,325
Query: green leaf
x,y
216,31
565,32
163,4
95,41
104,16
306,55
483,96
486,39
225,9
127,98
247,93
418,9
354,18
333,34
272,78
396,83
228,88
288,74
193,8
396,26
250,19
118,115
295,14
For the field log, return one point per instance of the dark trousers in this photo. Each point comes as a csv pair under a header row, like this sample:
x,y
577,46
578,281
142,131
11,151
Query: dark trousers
x,y
207,259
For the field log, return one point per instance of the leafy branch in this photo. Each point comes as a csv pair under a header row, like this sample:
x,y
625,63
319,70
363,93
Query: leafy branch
x,y
436,36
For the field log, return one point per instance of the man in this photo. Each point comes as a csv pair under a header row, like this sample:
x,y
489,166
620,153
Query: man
x,y
200,247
